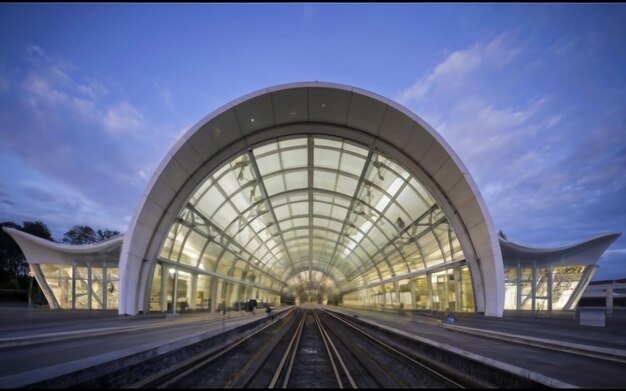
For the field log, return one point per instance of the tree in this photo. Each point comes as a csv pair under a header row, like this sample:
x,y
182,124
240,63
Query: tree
x,y
84,234
13,265
12,261
106,234
37,228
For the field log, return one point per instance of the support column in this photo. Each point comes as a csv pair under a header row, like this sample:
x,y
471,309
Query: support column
x,y
413,294
213,298
429,284
194,291
73,287
456,272
397,289
518,282
163,288
549,293
175,292
105,290
89,287
533,287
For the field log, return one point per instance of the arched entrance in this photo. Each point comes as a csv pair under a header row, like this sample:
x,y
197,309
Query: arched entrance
x,y
304,119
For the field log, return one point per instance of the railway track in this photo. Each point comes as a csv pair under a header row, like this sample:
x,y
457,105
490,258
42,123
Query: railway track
x,y
313,349
305,349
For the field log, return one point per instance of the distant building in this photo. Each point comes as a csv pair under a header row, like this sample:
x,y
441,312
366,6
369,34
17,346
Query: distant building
x,y
609,295
312,191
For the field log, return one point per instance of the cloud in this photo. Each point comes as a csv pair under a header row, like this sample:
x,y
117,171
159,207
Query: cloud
x,y
55,83
93,89
36,196
66,125
550,173
458,65
123,118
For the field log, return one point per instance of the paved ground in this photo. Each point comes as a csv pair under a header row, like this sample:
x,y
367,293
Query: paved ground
x,y
115,336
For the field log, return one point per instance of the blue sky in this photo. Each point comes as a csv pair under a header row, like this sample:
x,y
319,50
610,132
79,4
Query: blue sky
x,y
532,97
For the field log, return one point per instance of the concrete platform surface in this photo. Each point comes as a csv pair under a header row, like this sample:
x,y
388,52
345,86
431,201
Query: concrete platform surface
x,y
82,338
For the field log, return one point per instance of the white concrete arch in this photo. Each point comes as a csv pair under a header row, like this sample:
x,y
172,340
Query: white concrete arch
x,y
312,108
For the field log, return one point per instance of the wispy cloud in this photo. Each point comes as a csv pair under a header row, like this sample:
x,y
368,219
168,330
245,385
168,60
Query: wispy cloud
x,y
548,173
66,125
37,196
458,65
123,118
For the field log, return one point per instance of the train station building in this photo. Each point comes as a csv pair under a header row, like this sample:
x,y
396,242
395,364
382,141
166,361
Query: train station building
x,y
312,192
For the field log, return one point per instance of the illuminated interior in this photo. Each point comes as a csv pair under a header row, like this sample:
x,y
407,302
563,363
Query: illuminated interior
x,y
80,287
311,218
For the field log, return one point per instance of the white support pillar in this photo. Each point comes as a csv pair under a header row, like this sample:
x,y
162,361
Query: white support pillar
x,y
164,278
194,291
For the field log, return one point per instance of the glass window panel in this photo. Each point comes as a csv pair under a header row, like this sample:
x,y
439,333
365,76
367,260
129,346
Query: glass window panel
x,y
167,246
211,201
286,225
282,212
218,174
268,164
339,212
297,197
323,197
351,164
327,142
346,185
112,287
229,182
467,291
274,184
180,235
303,233
226,263
189,255
324,180
253,245
326,158
295,158
297,180
422,191
224,216
300,208
394,211
399,171
335,225
200,191
293,142
289,235
321,209
411,202
319,222
301,222
269,147
565,279
241,201
355,149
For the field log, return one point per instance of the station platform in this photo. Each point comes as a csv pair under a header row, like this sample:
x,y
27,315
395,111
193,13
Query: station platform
x,y
38,344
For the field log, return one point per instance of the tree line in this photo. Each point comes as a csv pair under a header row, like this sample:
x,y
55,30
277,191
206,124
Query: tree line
x,y
13,264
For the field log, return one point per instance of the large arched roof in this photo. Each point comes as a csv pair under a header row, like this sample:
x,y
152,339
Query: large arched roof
x,y
312,108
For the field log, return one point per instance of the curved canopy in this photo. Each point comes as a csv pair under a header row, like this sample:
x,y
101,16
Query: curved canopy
x,y
586,252
311,185
320,213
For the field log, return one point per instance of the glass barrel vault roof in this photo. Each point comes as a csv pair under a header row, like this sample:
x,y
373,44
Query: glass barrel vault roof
x,y
311,213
